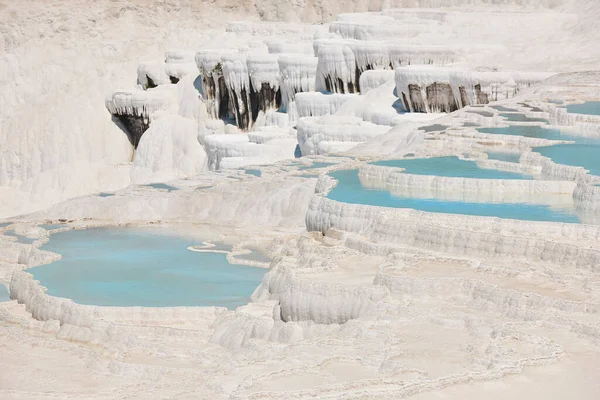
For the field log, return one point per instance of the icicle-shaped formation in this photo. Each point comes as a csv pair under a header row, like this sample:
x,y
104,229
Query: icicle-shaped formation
x,y
336,69
176,65
297,73
214,89
401,55
235,72
373,79
377,31
315,104
179,63
265,94
291,47
150,74
370,55
338,72
134,109
432,89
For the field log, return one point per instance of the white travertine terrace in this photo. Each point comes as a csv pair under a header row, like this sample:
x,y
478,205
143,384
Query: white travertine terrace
x,y
313,132
403,184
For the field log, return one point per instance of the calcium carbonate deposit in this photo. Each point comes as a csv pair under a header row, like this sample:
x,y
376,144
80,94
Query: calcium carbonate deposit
x,y
262,199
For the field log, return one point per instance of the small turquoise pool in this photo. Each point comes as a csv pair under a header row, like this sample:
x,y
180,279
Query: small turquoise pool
x,y
148,267
433,128
4,295
450,167
105,194
589,108
254,172
516,117
163,186
538,132
350,190
578,155
50,227
20,238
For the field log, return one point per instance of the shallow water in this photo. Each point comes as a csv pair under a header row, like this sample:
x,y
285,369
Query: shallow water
x,y
20,239
254,256
4,294
350,190
482,113
538,132
450,167
162,186
105,194
50,227
503,109
578,155
255,172
521,118
588,108
142,267
433,128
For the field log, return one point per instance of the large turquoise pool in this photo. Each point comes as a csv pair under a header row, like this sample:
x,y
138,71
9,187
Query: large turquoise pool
x,y
578,155
350,190
142,267
451,166
589,108
539,132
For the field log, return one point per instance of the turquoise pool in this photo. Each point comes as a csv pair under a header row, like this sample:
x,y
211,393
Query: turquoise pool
x,y
433,128
578,155
4,295
142,267
451,166
516,117
254,172
20,238
350,190
589,108
169,188
538,132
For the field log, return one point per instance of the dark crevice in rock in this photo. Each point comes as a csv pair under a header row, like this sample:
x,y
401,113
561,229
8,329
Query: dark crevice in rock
x,y
224,111
416,99
133,126
267,98
341,85
151,84
173,79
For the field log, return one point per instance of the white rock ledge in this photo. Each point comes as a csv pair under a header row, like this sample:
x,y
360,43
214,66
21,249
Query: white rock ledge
x,y
464,189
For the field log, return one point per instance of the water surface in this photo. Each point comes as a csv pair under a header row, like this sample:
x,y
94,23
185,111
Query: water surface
x,y
588,108
451,166
350,190
578,155
142,267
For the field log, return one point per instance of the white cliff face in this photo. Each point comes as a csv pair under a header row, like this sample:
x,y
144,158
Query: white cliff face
x,y
359,301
